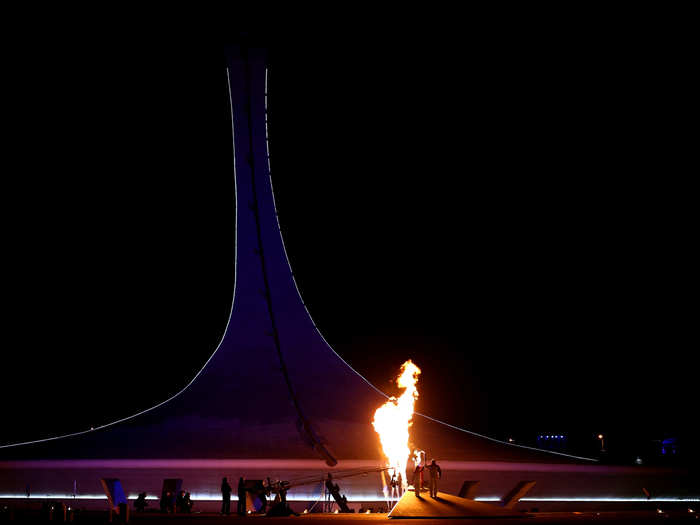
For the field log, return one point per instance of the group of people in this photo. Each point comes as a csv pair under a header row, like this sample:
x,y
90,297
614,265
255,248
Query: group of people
x,y
183,503
434,471
418,474
180,504
226,497
396,484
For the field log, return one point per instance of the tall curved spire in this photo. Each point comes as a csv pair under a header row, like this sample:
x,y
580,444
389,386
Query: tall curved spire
x,y
273,388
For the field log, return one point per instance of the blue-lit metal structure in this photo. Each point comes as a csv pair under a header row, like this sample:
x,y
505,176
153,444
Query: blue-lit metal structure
x,y
273,387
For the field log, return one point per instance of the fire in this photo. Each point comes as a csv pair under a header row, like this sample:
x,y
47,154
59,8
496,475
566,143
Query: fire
x,y
393,419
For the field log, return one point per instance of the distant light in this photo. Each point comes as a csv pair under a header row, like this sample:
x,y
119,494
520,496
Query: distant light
x,y
306,511
600,436
659,511
510,440
367,511
336,511
691,511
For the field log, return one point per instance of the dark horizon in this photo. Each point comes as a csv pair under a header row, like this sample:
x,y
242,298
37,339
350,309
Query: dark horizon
x,y
508,221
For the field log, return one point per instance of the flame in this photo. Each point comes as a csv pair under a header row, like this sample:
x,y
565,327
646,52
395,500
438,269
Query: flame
x,y
393,419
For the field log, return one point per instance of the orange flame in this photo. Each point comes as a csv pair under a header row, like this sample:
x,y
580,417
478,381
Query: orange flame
x,y
393,419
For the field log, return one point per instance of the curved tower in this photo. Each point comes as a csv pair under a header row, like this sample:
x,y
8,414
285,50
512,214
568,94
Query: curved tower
x,y
273,388
274,398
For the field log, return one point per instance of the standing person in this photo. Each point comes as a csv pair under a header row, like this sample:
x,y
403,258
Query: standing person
x,y
394,484
419,462
141,502
225,497
422,470
435,475
180,501
164,496
241,497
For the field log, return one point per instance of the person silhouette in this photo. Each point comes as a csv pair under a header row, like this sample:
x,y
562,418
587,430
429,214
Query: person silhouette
x,y
419,462
241,497
225,497
164,497
394,484
435,474
178,501
140,504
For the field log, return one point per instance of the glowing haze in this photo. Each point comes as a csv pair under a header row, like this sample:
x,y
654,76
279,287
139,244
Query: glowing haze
x,y
393,419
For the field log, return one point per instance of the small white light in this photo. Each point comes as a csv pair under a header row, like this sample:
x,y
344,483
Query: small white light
x,y
336,511
367,511
306,511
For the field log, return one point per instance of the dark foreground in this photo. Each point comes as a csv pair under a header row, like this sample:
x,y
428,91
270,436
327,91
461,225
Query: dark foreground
x,y
549,518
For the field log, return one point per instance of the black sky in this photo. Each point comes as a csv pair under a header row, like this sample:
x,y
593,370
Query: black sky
x,y
515,216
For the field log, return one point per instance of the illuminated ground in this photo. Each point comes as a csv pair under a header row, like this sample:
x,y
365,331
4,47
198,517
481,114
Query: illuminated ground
x,y
641,517
447,506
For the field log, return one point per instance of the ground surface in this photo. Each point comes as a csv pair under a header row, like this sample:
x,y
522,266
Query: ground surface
x,y
447,506
632,517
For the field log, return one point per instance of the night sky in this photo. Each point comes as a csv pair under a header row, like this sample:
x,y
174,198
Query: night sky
x,y
516,217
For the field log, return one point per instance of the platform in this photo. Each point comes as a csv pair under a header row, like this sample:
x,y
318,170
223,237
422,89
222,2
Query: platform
x,y
447,506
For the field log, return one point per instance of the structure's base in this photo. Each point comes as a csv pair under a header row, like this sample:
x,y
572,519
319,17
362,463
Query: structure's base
x,y
446,506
